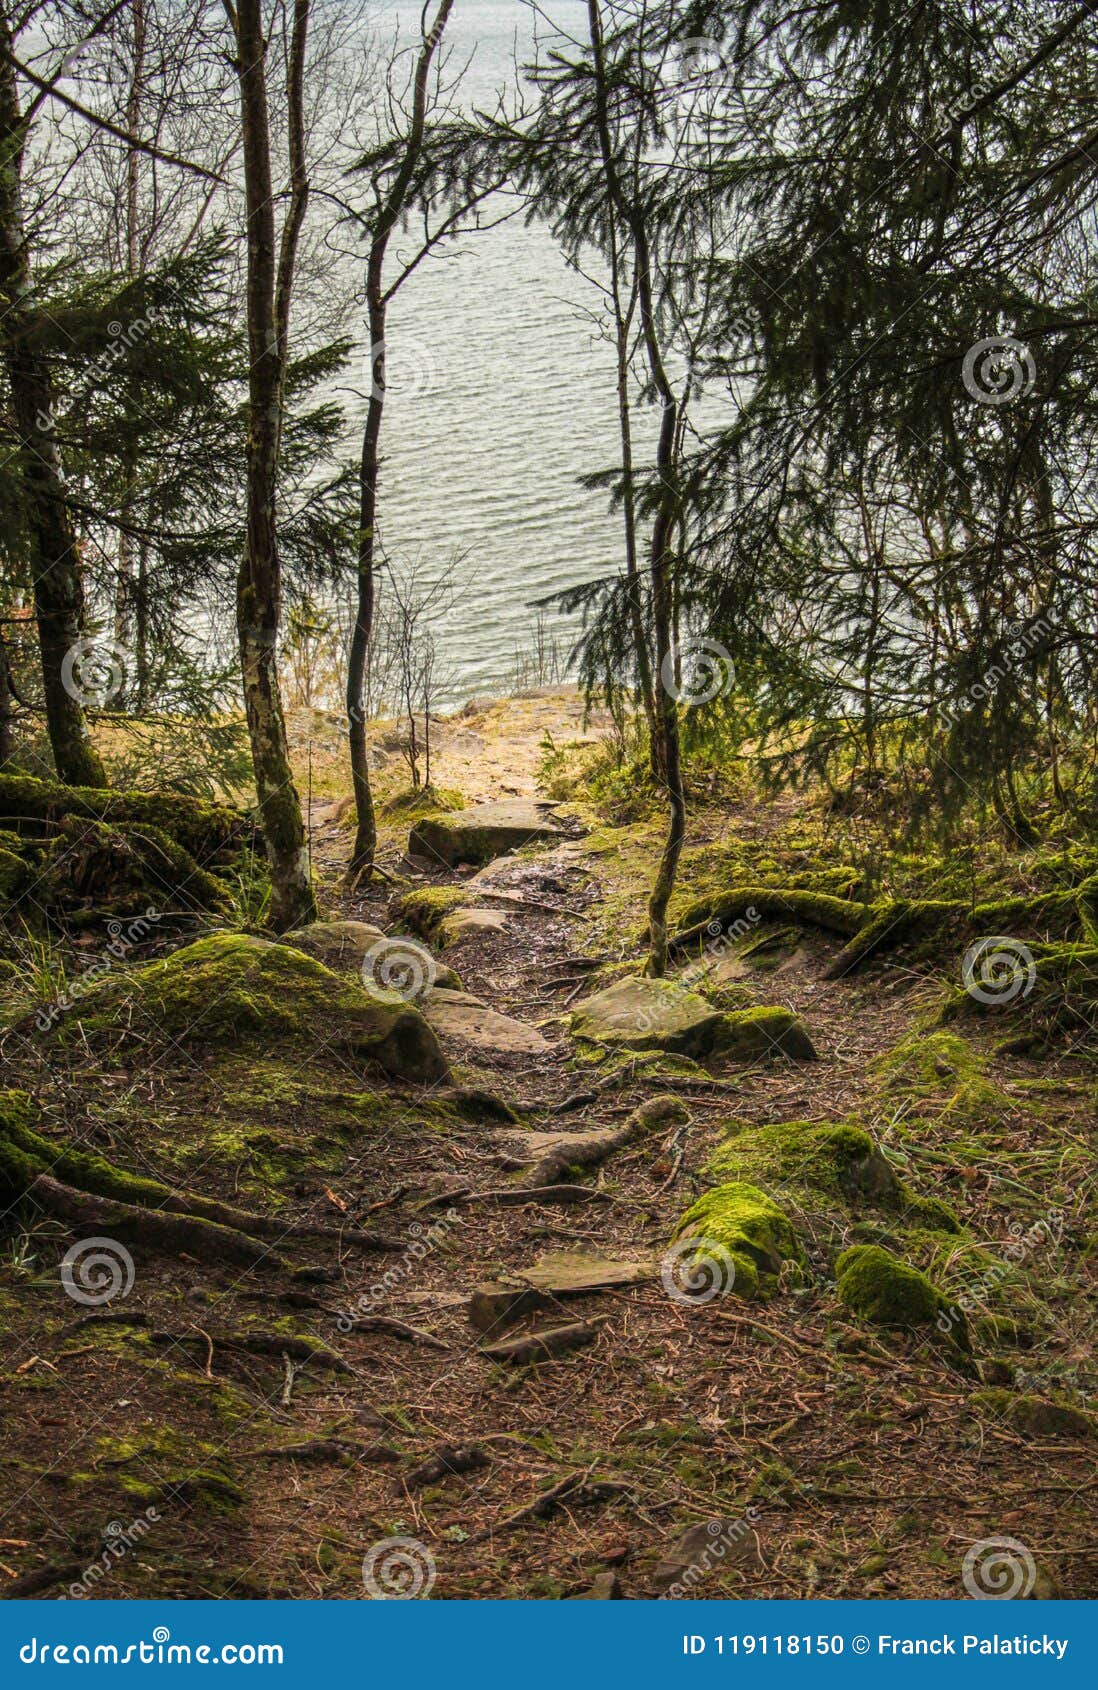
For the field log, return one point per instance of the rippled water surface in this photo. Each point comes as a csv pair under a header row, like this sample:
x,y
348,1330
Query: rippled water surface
x,y
500,396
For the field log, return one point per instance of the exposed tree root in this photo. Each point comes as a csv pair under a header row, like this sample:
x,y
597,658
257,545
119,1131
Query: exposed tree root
x,y
768,903
78,1185
587,1150
174,1234
873,929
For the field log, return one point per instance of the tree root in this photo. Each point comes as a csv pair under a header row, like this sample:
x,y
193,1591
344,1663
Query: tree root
x,y
87,1190
587,1150
173,1234
873,929
767,903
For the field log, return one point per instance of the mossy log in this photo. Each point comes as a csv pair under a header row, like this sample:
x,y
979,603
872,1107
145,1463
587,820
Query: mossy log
x,y
206,831
722,910
126,868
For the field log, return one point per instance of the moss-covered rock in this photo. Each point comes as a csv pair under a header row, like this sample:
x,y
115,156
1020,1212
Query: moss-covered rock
x,y
339,945
423,909
642,1014
751,1035
1036,1417
841,1162
231,990
482,833
747,1227
878,1286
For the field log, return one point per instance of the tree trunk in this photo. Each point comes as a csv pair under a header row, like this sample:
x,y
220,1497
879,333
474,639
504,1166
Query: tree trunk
x,y
621,342
365,847
259,581
124,589
54,563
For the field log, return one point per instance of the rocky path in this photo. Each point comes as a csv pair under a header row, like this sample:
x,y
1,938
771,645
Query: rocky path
x,y
819,1459
517,1395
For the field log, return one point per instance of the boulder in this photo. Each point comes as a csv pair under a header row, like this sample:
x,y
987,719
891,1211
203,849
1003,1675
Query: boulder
x,y
738,1235
464,1022
484,832
342,945
889,1292
461,922
232,991
641,1014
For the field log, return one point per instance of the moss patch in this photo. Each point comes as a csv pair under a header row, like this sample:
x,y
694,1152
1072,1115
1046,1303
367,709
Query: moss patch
x,y
749,1227
230,990
878,1286
1036,1417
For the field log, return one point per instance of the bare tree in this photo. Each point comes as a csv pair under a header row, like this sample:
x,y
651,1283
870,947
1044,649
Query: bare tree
x,y
269,293
390,208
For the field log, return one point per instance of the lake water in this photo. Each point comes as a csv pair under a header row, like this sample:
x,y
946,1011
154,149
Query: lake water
x,y
500,395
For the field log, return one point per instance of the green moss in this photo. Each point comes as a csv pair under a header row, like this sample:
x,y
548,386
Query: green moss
x,y
769,903
204,830
842,1163
232,990
1036,1417
163,1465
878,1286
15,871
747,1035
425,908
942,1066
747,1225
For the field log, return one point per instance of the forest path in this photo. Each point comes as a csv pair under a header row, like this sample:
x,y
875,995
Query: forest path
x,y
840,1464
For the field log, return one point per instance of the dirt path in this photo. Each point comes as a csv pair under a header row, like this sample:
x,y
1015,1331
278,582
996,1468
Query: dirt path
x,y
836,1460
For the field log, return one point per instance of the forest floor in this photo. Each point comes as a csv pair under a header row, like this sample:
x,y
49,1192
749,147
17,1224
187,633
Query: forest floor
x,y
173,1441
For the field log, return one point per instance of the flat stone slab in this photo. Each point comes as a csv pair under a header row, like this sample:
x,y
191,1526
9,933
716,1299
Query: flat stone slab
x,y
482,833
701,1551
461,922
641,1014
459,1019
570,1272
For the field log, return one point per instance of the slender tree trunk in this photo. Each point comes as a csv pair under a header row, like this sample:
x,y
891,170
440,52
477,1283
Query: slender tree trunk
x,y
54,563
365,847
625,426
667,701
259,581
7,707
124,591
